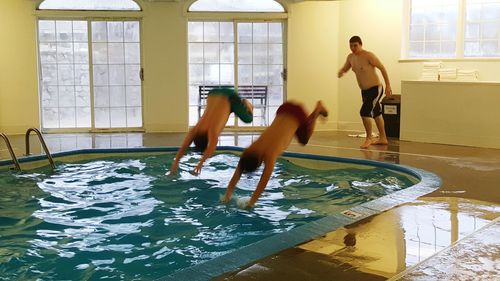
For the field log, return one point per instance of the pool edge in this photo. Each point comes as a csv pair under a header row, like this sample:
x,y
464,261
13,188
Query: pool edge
x,y
276,243
271,245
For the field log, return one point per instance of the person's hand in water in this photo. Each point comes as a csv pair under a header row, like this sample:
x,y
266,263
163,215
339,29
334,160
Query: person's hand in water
x,y
197,170
173,170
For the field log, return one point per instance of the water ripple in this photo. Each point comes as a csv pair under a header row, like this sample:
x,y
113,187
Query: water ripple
x,y
118,218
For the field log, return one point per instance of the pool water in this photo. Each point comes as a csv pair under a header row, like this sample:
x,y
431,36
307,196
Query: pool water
x,y
122,218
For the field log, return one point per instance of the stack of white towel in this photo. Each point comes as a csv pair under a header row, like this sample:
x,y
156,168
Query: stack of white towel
x,y
447,74
431,71
467,75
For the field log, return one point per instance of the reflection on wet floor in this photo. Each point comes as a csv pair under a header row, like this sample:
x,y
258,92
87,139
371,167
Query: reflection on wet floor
x,y
378,247
473,258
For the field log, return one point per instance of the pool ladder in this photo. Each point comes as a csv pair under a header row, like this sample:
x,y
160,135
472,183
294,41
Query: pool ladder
x,y
27,138
42,141
11,151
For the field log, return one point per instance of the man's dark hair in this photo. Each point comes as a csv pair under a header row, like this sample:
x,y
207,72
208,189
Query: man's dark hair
x,y
200,142
356,39
249,162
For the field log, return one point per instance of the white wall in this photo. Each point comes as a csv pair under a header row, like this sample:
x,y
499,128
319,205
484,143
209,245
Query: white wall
x,y
459,113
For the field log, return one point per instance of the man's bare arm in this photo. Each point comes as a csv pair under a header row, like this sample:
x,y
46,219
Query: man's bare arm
x,y
345,68
376,63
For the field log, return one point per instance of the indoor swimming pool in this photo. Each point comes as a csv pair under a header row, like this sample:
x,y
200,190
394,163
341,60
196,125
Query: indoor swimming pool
x,y
117,215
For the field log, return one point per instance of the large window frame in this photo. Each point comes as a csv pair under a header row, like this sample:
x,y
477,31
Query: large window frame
x,y
460,37
244,17
88,5
89,17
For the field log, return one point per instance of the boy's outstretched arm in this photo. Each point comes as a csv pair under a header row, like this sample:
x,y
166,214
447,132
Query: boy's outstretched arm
x,y
264,179
209,151
232,184
185,144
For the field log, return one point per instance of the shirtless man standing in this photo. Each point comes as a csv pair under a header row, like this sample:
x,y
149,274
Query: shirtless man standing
x,y
363,64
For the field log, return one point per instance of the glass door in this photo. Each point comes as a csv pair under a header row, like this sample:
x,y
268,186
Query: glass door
x,y
258,49
89,75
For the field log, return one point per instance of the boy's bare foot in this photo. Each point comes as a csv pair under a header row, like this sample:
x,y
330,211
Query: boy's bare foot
x,y
367,143
321,109
381,142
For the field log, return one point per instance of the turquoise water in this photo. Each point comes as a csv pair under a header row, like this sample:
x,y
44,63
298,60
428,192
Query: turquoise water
x,y
117,218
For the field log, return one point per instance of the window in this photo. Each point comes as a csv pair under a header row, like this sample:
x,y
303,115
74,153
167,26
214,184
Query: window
x,y
245,52
103,5
482,28
116,68
454,29
236,6
250,53
66,89
433,28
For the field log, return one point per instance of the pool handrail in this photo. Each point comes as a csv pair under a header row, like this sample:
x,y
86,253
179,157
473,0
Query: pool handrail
x,y
11,151
42,141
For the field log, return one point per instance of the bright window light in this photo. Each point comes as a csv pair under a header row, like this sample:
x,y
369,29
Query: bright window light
x,y
236,6
100,5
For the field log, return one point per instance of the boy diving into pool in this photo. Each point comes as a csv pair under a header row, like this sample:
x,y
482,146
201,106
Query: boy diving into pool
x,y
291,120
221,102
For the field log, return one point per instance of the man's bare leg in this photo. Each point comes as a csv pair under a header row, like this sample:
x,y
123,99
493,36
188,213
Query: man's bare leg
x,y
367,123
382,139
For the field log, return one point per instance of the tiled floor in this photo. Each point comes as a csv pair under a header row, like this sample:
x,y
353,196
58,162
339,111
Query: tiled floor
x,y
399,243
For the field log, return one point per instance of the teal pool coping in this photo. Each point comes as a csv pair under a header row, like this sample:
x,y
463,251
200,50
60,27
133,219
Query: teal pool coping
x,y
251,253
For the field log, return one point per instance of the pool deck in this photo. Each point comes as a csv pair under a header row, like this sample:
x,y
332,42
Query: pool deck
x,y
450,234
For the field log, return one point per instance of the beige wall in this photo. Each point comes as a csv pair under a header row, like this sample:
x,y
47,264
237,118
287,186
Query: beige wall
x,y
313,56
379,24
164,56
18,68
317,37
165,67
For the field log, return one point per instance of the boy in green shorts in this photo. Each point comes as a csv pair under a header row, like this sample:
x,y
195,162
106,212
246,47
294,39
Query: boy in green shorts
x,y
221,102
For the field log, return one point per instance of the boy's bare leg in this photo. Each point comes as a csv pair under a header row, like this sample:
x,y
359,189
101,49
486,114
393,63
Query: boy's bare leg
x,y
319,110
367,123
382,139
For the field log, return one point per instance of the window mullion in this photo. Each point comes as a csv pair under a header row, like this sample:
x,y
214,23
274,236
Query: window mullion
x,y
461,21
91,74
235,63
